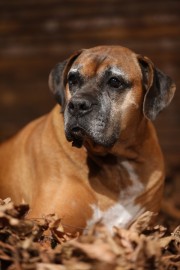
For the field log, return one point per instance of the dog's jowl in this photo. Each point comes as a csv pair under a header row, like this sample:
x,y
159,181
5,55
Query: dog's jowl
x,y
96,155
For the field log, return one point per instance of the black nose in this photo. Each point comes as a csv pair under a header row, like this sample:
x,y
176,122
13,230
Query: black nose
x,y
79,106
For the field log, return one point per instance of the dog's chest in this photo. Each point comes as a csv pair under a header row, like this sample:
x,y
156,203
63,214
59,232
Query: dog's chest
x,y
122,212
118,215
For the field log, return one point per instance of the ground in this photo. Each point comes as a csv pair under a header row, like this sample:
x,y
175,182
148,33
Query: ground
x,y
42,244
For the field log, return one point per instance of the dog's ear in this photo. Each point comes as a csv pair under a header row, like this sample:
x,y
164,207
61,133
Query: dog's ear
x,y
58,78
158,86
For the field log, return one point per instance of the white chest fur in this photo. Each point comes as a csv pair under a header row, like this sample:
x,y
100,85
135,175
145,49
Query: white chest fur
x,y
125,210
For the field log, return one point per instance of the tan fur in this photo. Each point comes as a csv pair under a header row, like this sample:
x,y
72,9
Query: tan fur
x,y
39,167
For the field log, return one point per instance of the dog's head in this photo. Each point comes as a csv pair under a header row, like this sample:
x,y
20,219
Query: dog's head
x,y
106,91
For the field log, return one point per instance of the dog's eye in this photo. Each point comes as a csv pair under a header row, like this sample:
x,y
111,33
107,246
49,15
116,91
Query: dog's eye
x,y
115,82
73,79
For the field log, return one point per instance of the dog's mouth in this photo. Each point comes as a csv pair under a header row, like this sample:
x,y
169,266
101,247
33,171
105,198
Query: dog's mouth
x,y
77,136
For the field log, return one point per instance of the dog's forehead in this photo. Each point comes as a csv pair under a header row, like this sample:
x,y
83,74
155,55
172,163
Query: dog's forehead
x,y
96,60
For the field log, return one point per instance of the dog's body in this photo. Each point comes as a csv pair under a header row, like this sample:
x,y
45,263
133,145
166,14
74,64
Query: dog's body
x,y
108,96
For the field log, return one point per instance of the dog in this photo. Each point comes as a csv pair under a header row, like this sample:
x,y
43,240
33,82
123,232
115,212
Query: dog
x,y
96,157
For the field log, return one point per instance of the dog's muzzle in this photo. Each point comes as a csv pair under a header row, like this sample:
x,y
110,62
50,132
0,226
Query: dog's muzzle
x,y
88,120
79,109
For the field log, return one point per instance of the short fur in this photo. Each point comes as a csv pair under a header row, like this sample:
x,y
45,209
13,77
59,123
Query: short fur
x,y
108,97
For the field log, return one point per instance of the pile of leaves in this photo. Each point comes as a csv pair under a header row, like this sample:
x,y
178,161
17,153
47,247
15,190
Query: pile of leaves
x,y
43,245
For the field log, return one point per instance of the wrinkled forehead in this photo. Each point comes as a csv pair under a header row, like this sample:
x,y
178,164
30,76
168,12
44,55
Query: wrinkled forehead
x,y
120,61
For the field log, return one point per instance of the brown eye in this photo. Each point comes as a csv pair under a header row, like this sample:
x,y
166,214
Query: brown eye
x,y
73,80
115,82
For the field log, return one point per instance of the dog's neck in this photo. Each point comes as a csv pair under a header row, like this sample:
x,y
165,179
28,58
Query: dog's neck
x,y
115,168
128,147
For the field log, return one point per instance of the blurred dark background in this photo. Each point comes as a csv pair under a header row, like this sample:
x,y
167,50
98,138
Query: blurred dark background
x,y
35,35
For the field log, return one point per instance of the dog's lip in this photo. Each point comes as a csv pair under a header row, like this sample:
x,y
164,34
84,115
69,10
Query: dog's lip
x,y
76,130
77,135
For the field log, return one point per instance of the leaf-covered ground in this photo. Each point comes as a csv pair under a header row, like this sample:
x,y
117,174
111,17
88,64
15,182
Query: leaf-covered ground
x,y
42,244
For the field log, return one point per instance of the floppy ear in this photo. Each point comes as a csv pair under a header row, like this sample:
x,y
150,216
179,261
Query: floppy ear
x,y
58,78
159,88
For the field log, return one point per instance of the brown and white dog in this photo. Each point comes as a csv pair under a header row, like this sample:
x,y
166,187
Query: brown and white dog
x,y
115,172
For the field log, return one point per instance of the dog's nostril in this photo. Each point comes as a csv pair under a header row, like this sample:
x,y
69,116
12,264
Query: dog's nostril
x,y
79,106
84,106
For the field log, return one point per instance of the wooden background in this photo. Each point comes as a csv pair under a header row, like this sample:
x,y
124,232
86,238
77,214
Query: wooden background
x,y
35,35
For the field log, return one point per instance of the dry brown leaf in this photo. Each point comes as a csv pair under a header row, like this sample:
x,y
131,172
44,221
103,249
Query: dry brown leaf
x,y
164,242
98,250
49,266
75,264
142,222
176,234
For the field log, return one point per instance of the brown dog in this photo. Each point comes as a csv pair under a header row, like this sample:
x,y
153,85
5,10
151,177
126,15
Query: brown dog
x,y
108,97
